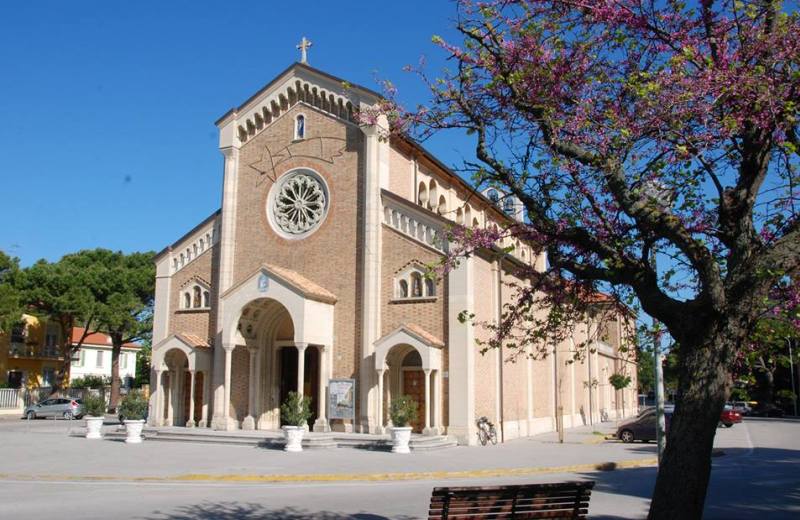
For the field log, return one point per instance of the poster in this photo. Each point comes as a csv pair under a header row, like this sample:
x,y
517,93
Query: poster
x,y
342,399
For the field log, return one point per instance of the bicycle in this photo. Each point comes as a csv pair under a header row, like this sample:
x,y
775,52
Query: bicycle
x,y
486,431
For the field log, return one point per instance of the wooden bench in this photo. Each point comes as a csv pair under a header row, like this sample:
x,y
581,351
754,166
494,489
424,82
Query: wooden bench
x,y
557,500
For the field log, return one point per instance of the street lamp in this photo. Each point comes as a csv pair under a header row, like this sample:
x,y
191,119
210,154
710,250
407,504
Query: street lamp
x,y
791,373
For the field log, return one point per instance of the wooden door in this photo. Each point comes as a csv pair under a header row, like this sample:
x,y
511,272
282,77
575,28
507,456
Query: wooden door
x,y
414,387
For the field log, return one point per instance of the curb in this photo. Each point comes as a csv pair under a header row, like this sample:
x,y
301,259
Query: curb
x,y
348,477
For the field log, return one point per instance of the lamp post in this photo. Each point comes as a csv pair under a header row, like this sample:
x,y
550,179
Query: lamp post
x,y
791,373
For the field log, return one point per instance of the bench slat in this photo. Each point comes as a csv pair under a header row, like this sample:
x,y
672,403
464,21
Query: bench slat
x,y
549,500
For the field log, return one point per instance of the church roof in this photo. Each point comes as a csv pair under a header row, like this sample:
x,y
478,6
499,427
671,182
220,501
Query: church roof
x,y
296,69
293,279
192,340
308,288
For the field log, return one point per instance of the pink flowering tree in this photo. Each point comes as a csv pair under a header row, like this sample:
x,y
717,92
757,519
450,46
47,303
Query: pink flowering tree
x,y
635,132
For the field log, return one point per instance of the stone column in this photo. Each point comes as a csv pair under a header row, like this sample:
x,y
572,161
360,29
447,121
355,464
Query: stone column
x,y
226,422
380,400
461,354
206,390
171,398
190,420
321,424
437,402
376,151
249,422
156,412
301,366
427,429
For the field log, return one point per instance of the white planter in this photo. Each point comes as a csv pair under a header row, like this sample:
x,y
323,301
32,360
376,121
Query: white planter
x,y
400,439
133,428
294,438
93,426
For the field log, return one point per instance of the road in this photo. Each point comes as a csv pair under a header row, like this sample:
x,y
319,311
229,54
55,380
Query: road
x,y
758,477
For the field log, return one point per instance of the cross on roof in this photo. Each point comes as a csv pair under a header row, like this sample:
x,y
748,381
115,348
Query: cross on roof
x,y
304,45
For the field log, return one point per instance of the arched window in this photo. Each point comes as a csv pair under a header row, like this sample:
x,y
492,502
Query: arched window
x,y
460,217
422,194
416,285
197,293
187,300
300,127
195,249
442,207
493,196
183,259
206,300
430,288
432,195
508,206
402,289
175,263
202,245
475,222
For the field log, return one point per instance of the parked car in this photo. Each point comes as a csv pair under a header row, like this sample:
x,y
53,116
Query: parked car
x,y
56,407
742,407
767,410
643,427
729,417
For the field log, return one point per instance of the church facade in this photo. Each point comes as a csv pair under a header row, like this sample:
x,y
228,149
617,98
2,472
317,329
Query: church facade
x,y
314,270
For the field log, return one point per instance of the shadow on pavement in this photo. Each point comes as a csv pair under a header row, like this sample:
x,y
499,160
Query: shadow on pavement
x,y
251,511
764,484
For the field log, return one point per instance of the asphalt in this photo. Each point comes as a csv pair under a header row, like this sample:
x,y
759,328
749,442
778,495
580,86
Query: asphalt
x,y
48,473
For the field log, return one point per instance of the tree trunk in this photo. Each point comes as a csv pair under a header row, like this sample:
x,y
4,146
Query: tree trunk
x,y
116,348
703,387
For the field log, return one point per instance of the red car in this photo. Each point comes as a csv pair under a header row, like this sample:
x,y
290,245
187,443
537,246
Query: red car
x,y
729,417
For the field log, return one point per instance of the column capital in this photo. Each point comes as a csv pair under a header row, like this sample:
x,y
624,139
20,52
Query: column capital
x,y
228,347
427,371
301,347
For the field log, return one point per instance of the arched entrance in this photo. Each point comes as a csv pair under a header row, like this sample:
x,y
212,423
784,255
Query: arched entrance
x,y
268,363
271,312
182,374
408,362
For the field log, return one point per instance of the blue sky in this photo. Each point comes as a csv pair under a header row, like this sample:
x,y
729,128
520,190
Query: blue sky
x,y
107,109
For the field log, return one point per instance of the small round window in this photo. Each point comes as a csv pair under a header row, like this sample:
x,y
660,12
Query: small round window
x,y
298,203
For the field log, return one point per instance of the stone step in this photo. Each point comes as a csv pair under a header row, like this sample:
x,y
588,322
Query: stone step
x,y
276,441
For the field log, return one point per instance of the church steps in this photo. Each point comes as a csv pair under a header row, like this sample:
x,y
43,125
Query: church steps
x,y
274,439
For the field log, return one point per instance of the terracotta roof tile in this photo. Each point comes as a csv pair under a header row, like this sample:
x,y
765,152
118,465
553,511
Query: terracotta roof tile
x,y
423,334
97,338
306,286
192,340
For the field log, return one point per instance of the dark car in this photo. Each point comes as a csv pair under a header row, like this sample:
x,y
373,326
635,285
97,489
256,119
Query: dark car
x,y
643,427
767,410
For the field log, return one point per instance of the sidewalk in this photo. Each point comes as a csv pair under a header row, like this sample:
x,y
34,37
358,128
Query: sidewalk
x,y
55,455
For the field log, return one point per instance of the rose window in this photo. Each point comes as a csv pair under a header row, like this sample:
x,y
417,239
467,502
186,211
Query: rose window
x,y
299,203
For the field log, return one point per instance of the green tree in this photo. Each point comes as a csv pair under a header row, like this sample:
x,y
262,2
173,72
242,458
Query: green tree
x,y
66,292
126,315
10,309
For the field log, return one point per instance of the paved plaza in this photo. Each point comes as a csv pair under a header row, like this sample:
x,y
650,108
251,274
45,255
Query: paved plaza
x,y
47,472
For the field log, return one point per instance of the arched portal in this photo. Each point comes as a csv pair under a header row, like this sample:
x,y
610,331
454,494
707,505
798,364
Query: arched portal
x,y
268,363
408,362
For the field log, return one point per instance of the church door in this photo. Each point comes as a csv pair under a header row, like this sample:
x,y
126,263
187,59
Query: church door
x,y
414,387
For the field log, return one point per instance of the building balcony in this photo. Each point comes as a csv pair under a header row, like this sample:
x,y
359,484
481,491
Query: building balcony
x,y
22,350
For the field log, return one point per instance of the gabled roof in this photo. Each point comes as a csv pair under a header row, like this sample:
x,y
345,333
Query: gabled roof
x,y
416,331
295,69
192,340
96,338
294,280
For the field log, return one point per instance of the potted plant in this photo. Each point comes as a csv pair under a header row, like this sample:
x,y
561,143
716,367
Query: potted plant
x,y
295,412
402,410
95,408
134,409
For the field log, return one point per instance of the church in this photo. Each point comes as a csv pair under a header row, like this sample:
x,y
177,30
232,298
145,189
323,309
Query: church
x,y
311,277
